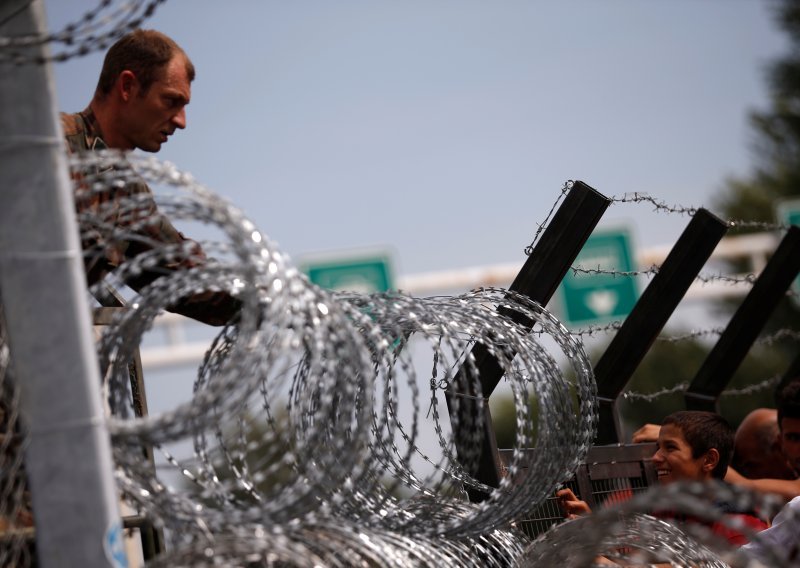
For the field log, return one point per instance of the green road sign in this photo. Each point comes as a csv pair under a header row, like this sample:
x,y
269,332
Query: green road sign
x,y
789,213
597,298
362,275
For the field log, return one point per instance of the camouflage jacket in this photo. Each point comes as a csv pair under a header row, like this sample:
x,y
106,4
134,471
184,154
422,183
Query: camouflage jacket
x,y
97,211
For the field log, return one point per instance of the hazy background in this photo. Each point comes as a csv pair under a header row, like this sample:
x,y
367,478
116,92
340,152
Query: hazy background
x,y
442,130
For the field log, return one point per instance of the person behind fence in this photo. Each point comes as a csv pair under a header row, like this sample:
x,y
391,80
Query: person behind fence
x,y
757,447
139,102
781,539
691,446
767,446
787,400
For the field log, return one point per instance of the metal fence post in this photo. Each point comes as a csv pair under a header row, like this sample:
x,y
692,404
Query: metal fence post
x,y
742,330
649,315
538,279
68,458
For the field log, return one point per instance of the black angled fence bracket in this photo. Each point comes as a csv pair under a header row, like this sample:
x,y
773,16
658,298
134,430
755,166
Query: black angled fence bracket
x,y
649,315
747,322
538,279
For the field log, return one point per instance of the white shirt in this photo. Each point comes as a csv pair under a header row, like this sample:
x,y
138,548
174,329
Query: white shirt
x,y
782,538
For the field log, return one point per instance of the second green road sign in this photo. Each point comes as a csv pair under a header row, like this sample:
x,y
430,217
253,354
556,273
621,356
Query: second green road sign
x,y
362,274
597,298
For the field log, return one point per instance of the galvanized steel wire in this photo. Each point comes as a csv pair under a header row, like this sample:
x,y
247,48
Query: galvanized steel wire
x,y
307,417
308,414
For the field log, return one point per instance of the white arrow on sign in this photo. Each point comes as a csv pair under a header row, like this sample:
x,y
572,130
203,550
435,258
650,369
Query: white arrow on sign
x,y
602,302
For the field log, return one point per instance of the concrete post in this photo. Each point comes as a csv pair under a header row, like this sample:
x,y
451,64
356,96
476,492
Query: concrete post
x,y
43,287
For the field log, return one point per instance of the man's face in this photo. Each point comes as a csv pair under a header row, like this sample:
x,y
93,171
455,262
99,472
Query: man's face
x,y
790,441
154,115
673,459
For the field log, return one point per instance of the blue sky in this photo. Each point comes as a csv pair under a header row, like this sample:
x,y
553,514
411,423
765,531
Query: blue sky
x,y
442,130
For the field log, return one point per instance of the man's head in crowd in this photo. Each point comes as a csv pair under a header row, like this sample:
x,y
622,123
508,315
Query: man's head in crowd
x,y
757,452
693,445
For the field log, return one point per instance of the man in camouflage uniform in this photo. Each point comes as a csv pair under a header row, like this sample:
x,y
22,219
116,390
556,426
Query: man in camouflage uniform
x,y
140,101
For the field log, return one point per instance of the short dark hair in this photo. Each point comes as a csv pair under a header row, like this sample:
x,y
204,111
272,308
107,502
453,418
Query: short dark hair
x,y
788,400
704,431
145,53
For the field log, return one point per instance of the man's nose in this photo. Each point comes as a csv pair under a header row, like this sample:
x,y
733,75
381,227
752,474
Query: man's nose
x,y
179,119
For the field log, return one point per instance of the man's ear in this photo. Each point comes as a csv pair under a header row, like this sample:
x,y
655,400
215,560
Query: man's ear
x,y
710,460
127,85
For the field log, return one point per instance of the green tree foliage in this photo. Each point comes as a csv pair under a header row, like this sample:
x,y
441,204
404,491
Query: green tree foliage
x,y
667,365
250,447
776,144
674,364
776,134
504,420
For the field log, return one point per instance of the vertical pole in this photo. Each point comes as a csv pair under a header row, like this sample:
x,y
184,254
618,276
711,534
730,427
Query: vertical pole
x,y
68,458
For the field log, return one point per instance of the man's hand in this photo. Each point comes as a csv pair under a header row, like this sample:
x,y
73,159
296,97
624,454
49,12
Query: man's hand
x,y
647,433
787,489
573,507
